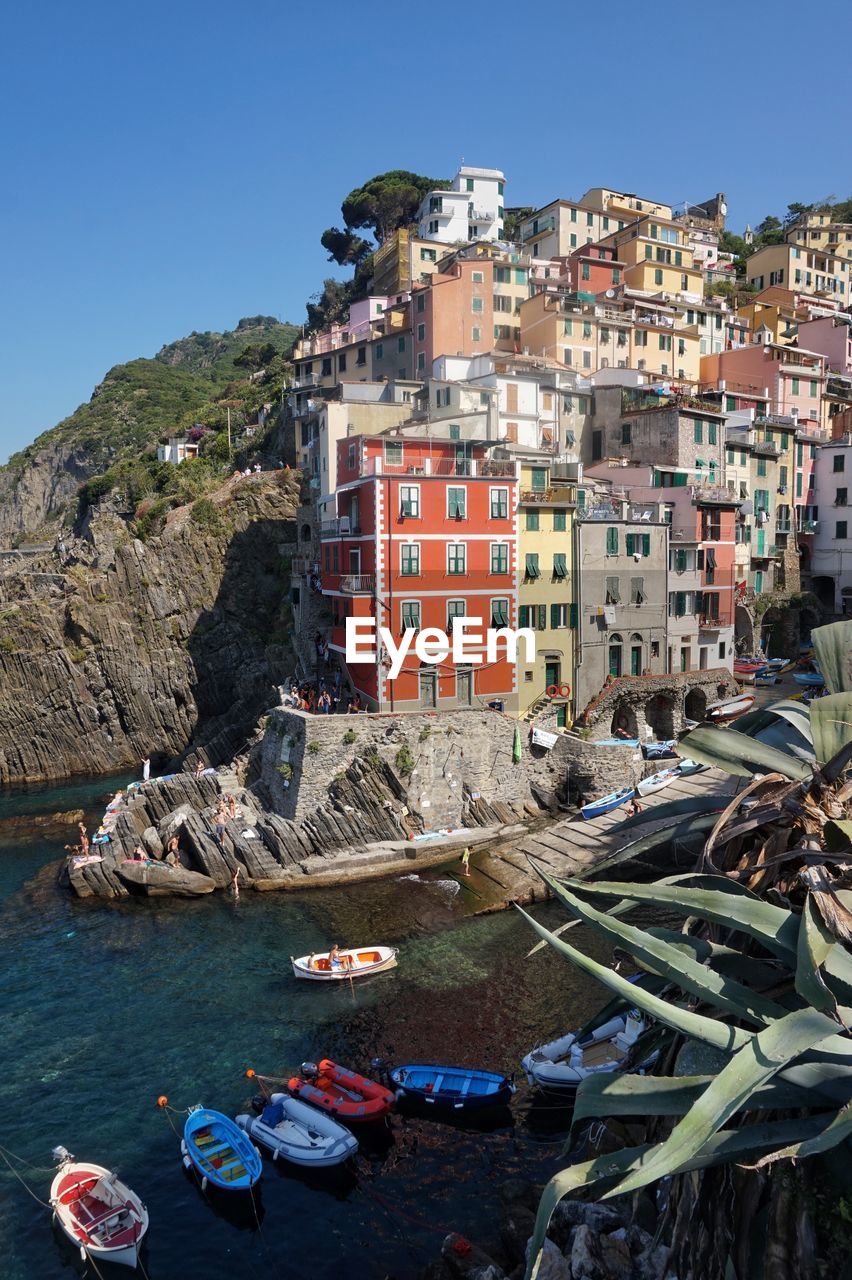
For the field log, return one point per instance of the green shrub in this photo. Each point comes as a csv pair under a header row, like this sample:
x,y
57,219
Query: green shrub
x,y
77,654
286,771
404,761
7,644
205,514
349,737
373,759
425,733
314,747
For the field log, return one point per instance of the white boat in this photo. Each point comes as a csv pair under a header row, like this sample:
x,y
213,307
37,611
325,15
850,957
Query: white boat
x,y
688,766
299,1133
564,1063
729,708
355,962
657,781
97,1212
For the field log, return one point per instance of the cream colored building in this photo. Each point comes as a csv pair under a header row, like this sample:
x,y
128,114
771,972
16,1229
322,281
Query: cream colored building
x,y
819,273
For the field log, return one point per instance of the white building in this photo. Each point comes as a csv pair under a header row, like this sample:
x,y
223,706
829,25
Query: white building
x,y
522,398
178,449
472,208
831,563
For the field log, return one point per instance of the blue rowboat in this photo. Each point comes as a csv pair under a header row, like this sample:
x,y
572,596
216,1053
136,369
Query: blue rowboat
x,y
456,1088
811,679
219,1151
614,742
595,808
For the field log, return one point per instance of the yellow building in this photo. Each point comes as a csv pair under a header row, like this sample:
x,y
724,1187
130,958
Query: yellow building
x,y
658,258
404,259
625,205
546,587
820,274
818,231
774,311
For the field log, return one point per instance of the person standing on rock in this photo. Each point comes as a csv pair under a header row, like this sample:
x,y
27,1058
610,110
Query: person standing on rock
x,y
146,769
84,839
465,861
221,819
199,769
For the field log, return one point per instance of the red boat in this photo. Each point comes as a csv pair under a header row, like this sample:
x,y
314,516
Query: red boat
x,y
342,1093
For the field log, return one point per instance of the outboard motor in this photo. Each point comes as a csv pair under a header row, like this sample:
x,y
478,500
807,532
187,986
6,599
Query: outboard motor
x,y
309,1070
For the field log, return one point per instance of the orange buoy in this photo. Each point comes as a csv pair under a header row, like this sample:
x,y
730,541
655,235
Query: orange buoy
x,y
162,1101
250,1073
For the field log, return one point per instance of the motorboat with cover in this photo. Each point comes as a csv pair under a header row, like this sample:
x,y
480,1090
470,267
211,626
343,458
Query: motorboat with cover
x,y
564,1063
97,1211
219,1151
355,962
340,1092
455,1088
299,1133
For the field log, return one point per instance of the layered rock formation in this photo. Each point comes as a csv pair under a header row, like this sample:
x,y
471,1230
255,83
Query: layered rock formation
x,y
134,649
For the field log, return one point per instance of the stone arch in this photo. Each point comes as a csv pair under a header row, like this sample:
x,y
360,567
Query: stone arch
x,y
660,715
624,723
695,704
823,589
306,532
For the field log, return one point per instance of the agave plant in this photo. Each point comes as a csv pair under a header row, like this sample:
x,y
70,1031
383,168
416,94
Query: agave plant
x,y
760,972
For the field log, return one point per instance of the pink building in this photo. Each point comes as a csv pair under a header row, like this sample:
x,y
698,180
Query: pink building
x,y
831,336
788,380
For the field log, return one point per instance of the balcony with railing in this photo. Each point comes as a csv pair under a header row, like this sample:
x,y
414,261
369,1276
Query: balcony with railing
x,y
477,468
358,584
556,495
714,621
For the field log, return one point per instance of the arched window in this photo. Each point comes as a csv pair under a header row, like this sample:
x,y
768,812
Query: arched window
x,y
615,643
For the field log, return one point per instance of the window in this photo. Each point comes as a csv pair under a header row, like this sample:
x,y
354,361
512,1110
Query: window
x,y
499,557
586,271
560,569
411,615
456,557
455,609
456,502
409,562
350,458
761,466
625,432
813,387
698,431
838,462
400,344
638,544
477,277
500,612
362,355
476,306
501,302
587,328
531,569
393,454
665,342
840,498
499,504
712,433
612,542
341,362
421,362
531,521
613,591
559,521
559,615
326,367
840,529
658,279
409,500
428,255
421,301
468,184
380,350
795,387
476,334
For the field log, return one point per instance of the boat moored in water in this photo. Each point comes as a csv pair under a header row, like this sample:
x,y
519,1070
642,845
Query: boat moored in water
x,y
341,1092
565,1063
219,1151
299,1133
453,1088
96,1211
354,962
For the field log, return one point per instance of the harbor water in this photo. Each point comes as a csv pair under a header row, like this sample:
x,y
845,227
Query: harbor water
x,y
108,1005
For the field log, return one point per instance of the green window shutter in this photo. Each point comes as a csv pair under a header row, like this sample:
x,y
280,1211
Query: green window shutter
x,y
628,543
532,564
646,544
612,542
559,522
572,615
560,569
531,521
523,615
554,616
711,432
698,432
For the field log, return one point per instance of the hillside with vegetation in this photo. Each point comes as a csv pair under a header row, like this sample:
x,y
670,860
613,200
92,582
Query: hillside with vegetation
x,y
189,385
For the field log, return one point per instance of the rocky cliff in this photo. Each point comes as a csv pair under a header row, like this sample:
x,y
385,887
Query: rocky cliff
x,y
134,648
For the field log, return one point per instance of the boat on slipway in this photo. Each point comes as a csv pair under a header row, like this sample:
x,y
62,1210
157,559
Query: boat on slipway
x,y
564,1063
355,962
341,1092
299,1133
450,1088
97,1212
595,808
659,750
656,781
219,1151
729,708
809,679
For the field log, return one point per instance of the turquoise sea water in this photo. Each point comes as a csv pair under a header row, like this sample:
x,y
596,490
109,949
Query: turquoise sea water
x,y
106,1006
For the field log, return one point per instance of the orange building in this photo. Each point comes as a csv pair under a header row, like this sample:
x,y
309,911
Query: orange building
x,y
453,315
426,534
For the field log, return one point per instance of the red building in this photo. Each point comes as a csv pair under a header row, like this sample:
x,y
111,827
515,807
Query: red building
x,y
426,532
594,268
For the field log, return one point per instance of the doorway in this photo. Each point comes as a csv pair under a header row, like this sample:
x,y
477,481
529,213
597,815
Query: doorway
x,y
428,689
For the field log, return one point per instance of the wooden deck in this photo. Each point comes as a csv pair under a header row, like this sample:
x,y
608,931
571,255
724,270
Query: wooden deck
x,y
503,874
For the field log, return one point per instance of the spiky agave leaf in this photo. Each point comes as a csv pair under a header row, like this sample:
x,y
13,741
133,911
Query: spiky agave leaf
x,y
833,647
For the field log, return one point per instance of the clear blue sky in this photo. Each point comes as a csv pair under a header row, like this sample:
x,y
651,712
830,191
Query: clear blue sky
x,y
171,166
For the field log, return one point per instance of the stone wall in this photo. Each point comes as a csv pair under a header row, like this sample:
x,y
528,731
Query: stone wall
x,y
661,703
452,756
